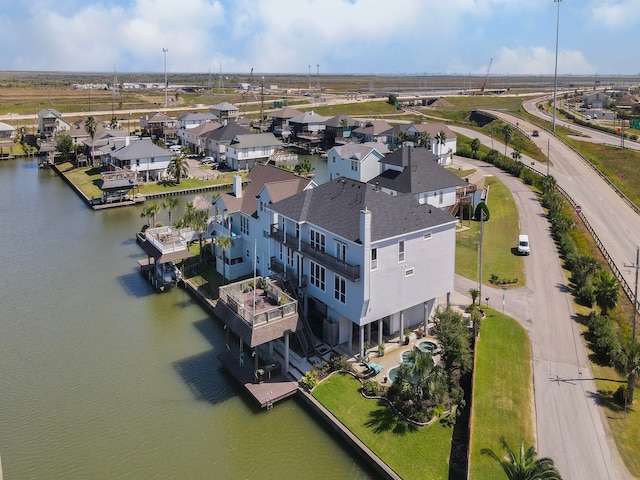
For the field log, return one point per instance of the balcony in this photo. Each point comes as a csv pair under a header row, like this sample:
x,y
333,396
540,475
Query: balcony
x,y
351,272
279,236
258,313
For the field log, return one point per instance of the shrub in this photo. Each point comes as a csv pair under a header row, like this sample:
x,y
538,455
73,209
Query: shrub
x,y
585,295
310,379
371,388
483,210
337,362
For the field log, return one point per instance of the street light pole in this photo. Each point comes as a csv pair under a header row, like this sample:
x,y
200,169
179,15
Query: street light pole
x,y
165,50
636,266
555,81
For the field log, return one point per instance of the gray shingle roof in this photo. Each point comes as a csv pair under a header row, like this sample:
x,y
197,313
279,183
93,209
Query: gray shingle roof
x,y
254,140
420,172
336,205
226,133
143,148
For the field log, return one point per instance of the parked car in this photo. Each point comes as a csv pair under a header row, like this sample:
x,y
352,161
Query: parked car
x,y
523,245
209,160
535,133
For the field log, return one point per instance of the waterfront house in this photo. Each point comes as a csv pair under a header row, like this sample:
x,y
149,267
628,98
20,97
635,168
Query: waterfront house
x,y
358,161
416,171
50,123
225,111
191,120
158,125
142,156
242,216
246,151
339,130
373,131
215,142
363,260
445,150
308,129
6,131
280,121
193,137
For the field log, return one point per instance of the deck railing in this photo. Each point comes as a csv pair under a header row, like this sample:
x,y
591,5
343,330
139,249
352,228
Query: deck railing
x,y
235,297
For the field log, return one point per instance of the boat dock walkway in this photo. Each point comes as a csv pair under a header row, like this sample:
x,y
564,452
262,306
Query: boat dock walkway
x,y
274,388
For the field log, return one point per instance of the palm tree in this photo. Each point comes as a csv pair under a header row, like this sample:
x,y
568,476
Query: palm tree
x,y
516,155
149,211
425,139
419,379
91,126
628,364
525,465
441,138
170,203
607,289
548,184
178,165
344,124
475,146
402,138
223,242
508,135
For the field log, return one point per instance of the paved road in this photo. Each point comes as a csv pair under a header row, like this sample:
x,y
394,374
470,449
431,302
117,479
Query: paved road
x,y
616,223
570,426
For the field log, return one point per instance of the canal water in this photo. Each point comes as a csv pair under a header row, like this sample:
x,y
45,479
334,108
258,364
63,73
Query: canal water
x,y
101,377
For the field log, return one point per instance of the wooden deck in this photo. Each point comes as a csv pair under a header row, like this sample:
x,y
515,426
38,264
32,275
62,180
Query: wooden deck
x,y
273,389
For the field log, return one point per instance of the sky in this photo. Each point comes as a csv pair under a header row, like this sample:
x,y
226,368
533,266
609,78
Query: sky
x,y
372,37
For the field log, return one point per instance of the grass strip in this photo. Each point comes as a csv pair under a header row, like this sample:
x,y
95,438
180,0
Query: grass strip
x,y
502,396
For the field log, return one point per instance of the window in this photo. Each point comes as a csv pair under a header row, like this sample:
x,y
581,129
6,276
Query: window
x,y
354,165
297,230
426,236
244,225
341,251
401,251
318,240
408,272
289,257
340,291
261,206
374,259
317,275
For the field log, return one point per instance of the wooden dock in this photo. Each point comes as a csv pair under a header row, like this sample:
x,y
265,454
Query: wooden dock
x,y
274,388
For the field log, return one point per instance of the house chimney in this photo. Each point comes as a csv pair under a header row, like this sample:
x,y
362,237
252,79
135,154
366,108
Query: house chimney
x,y
237,186
126,140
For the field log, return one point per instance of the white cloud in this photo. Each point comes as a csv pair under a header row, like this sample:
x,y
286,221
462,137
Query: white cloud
x,y
539,60
617,14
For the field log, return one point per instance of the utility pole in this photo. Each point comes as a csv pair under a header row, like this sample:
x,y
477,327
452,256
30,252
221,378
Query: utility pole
x,y
165,50
480,255
318,76
555,81
636,266
309,78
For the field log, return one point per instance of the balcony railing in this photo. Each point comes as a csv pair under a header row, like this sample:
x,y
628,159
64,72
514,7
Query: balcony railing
x,y
351,272
289,240
272,303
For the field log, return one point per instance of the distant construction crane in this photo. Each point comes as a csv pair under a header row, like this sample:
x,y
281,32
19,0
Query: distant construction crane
x,y
486,78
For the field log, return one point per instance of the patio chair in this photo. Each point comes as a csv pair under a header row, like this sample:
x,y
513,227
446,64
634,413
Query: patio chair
x,y
372,368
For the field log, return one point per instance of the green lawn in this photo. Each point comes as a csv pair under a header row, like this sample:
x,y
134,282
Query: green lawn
x,y
500,237
86,179
412,452
503,395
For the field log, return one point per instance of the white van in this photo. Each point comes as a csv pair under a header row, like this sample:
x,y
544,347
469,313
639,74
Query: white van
x,y
523,245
